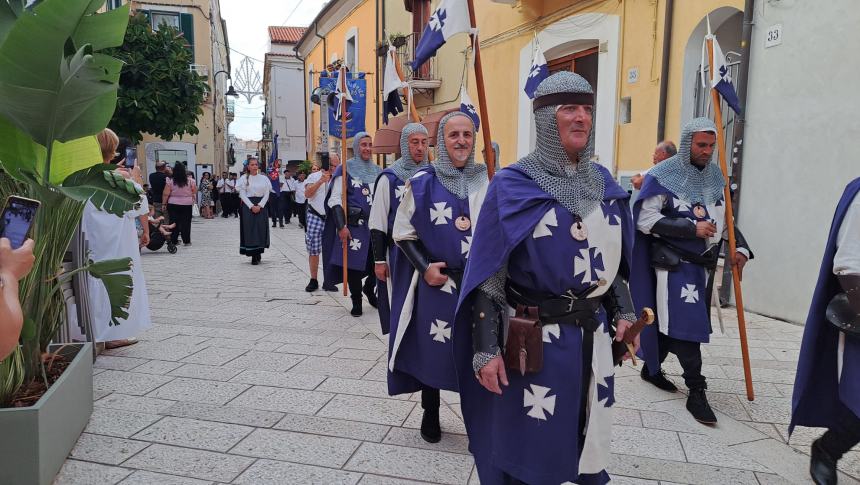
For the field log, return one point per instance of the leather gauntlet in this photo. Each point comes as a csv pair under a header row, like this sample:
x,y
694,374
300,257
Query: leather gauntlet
x,y
379,245
339,218
414,252
486,329
851,286
741,242
619,303
677,227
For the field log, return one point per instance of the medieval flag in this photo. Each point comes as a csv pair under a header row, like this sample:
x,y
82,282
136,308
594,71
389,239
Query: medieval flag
x,y
274,167
722,81
342,99
466,106
391,84
538,72
449,19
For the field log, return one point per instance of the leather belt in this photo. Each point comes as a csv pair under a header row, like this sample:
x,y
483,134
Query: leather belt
x,y
571,308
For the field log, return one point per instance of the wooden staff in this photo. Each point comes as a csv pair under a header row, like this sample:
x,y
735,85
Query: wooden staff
x,y
730,223
343,173
416,118
489,153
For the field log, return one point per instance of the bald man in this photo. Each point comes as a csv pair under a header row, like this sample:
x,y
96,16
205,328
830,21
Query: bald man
x,y
662,151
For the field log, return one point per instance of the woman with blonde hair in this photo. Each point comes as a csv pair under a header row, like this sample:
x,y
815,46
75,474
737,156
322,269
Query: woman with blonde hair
x,y
112,237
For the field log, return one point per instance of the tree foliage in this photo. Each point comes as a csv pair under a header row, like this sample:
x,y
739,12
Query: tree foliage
x,y
158,93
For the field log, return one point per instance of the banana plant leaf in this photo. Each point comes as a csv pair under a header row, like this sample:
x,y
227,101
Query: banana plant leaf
x,y
115,275
54,89
104,187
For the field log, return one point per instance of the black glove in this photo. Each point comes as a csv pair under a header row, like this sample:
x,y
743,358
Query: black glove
x,y
741,242
339,218
677,227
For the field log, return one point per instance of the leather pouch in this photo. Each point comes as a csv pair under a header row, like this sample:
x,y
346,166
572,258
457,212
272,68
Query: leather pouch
x,y
355,217
524,345
663,256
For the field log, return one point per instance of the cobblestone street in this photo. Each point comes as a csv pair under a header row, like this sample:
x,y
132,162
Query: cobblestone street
x,y
247,379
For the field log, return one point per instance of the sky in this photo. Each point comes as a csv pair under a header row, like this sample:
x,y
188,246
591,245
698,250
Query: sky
x,y
247,30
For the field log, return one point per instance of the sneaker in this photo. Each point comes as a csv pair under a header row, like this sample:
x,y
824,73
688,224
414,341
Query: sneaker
x,y
312,286
659,379
822,467
431,431
698,406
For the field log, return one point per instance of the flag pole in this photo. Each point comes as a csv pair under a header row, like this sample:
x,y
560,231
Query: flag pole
x,y
343,174
489,153
412,111
730,224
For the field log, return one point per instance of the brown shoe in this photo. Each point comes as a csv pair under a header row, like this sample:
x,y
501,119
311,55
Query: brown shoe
x,y
116,344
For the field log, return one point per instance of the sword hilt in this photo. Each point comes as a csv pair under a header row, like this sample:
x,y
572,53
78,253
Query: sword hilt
x,y
619,349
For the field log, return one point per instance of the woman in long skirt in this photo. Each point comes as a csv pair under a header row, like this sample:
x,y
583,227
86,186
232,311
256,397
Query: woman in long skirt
x,y
253,190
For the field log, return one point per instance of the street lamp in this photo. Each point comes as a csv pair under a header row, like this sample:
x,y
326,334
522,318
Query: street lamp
x,y
231,91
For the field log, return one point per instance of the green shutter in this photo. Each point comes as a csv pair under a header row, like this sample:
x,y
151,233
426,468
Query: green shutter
x,y
186,23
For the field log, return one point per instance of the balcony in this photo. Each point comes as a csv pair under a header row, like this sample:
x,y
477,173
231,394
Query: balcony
x,y
425,78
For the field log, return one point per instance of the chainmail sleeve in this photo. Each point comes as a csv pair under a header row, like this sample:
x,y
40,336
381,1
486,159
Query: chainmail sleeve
x,y
494,286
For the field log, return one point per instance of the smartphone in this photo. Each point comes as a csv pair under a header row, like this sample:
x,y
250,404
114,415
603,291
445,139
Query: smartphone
x,y
17,219
325,163
130,157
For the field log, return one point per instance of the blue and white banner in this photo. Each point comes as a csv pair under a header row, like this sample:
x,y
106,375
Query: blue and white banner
x,y
538,72
356,104
391,85
721,81
449,19
468,107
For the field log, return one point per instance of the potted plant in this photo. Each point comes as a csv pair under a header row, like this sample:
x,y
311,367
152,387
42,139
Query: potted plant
x,y
397,39
57,90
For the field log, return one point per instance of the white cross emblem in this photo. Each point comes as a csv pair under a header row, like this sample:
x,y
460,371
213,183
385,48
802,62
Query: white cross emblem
x,y
466,246
435,22
356,183
449,286
535,71
690,294
399,192
354,244
440,331
539,402
584,265
552,329
542,228
441,213
680,205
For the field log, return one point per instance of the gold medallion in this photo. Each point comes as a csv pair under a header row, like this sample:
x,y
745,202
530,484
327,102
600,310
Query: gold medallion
x,y
365,191
699,212
463,223
579,231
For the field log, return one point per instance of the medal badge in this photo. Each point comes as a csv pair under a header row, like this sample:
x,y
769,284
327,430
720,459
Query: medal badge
x,y
579,231
699,212
365,191
463,223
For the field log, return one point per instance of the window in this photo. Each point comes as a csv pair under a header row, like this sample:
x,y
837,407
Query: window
x,y
165,18
112,4
583,63
351,50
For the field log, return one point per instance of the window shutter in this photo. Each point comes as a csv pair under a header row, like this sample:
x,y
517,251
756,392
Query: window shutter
x,y
186,23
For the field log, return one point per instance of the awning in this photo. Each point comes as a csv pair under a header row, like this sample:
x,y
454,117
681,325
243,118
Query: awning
x,y
387,139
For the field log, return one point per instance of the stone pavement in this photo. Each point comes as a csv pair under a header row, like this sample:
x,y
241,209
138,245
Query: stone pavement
x,y
247,379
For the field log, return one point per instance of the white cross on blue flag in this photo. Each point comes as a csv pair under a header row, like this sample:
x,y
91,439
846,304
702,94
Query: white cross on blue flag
x,y
466,106
537,73
449,19
721,81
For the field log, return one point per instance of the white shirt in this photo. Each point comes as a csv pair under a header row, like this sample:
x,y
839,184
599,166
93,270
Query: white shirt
x,y
300,191
378,218
318,200
226,186
847,257
254,186
291,185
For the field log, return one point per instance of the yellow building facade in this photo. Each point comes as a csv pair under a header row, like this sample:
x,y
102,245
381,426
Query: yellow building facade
x,y
344,30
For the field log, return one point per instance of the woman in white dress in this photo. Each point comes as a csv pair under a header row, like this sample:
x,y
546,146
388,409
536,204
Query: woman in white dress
x,y
109,237
254,191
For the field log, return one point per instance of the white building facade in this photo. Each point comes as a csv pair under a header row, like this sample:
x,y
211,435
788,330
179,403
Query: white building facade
x,y
283,88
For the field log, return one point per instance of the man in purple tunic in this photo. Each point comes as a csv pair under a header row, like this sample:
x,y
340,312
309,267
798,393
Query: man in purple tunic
x,y
555,233
433,229
352,229
827,386
387,195
680,221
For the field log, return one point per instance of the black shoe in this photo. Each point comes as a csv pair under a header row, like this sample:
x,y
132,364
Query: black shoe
x,y
312,286
356,307
698,406
658,379
282,225
822,467
431,431
371,296
274,224
329,288
236,216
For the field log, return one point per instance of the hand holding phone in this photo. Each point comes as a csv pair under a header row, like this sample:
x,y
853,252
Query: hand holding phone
x,y
17,218
130,157
16,262
325,162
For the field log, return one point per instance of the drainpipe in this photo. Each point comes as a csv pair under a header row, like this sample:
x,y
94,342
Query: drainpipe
x,y
325,52
305,100
664,69
740,121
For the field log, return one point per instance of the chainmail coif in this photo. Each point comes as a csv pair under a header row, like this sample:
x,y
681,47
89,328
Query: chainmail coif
x,y
458,181
406,166
578,185
364,170
679,175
